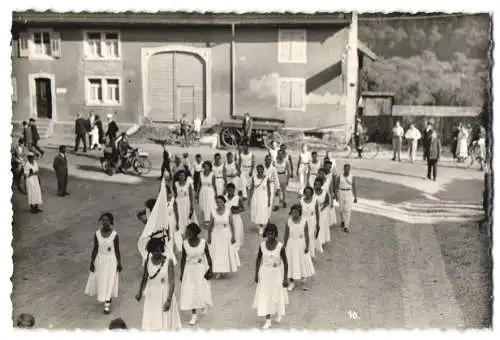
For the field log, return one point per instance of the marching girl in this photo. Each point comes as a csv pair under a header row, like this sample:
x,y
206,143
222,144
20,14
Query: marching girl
x,y
174,233
207,192
220,179
222,241
284,171
33,189
314,167
323,198
184,198
105,263
198,169
272,174
310,211
143,215
260,202
303,168
331,180
296,242
161,311
271,273
273,151
346,195
246,165
235,204
175,168
288,157
231,171
196,272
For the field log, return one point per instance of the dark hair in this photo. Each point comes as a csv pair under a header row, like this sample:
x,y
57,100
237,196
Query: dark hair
x,y
208,163
25,320
268,156
217,155
220,197
150,203
117,323
270,227
229,153
25,123
155,243
328,161
231,185
307,188
314,153
197,155
61,148
260,166
319,180
297,207
20,140
181,171
97,117
32,119
194,229
185,154
109,216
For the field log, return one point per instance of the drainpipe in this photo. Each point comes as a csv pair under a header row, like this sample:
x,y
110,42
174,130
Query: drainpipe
x,y
352,75
232,105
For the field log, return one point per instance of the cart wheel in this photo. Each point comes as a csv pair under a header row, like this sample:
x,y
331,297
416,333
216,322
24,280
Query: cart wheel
x,y
230,137
370,150
271,137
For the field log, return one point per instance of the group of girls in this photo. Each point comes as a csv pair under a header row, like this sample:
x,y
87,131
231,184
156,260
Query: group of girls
x,y
220,191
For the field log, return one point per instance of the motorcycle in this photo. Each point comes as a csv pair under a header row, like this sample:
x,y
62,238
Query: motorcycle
x,y
137,162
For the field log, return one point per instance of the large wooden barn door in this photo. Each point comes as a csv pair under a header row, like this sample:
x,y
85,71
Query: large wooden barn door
x,y
176,87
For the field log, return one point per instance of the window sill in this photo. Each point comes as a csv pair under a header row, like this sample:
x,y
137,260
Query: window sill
x,y
101,104
302,109
292,61
101,59
41,57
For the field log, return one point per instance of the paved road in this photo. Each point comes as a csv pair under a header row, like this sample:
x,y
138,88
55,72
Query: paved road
x,y
384,274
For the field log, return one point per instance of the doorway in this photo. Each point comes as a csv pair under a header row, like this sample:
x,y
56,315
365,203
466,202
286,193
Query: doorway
x,y
43,95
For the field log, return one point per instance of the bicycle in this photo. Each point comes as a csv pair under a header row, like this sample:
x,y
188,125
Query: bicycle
x,y
369,150
473,155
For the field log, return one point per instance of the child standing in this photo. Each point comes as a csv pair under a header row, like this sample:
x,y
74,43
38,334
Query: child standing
x,y
222,241
220,180
231,171
165,165
105,263
296,241
271,277
184,199
197,168
310,211
161,311
323,199
260,202
246,165
313,168
284,171
235,205
303,168
207,192
196,271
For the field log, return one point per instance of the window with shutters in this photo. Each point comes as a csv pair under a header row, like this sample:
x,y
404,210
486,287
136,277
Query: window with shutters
x,y
101,45
292,46
292,94
39,44
103,91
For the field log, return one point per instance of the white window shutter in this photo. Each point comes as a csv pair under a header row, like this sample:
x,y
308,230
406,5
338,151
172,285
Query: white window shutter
x,y
23,42
283,46
55,44
284,97
298,94
300,48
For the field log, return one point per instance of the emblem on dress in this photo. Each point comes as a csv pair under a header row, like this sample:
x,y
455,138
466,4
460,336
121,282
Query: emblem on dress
x,y
109,249
199,260
162,280
275,265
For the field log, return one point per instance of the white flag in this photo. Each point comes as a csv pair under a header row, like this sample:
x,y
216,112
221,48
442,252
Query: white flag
x,y
157,223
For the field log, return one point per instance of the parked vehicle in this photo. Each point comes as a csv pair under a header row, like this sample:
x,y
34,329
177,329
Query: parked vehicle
x,y
137,162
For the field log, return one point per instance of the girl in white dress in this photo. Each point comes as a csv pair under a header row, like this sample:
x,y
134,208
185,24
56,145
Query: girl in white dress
x,y
196,272
330,182
260,202
207,192
273,151
296,241
231,171
462,144
346,195
303,168
323,199
94,133
284,170
314,167
105,263
33,189
234,203
173,230
218,170
222,241
310,212
271,273
198,169
161,311
184,198
246,165
271,173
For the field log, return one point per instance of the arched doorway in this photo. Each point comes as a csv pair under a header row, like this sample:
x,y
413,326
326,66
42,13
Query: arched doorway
x,y
176,84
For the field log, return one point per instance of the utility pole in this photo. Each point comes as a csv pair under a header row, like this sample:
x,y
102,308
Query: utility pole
x,y
352,75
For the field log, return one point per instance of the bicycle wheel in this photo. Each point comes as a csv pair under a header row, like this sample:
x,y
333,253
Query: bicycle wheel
x,y
142,166
370,150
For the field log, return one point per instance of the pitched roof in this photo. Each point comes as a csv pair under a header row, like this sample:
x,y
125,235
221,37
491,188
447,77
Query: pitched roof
x,y
436,111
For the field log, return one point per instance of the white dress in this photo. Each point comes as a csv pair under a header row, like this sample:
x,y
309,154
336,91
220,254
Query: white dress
x,y
174,235
309,214
232,175
274,154
300,265
272,174
219,179
305,159
196,291
332,206
103,282
183,205
33,184
270,296
237,221
313,172
246,166
281,170
225,257
207,196
259,210
463,137
155,295
324,222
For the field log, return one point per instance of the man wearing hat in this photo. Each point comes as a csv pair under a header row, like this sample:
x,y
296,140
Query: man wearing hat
x,y
36,136
60,166
247,128
358,137
112,134
80,132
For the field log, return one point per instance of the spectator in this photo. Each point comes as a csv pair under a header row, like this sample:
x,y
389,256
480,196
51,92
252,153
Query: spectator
x,y
118,323
397,138
412,135
80,132
36,137
433,156
25,321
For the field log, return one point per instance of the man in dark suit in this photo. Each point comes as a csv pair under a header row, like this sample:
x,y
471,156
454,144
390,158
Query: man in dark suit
x,y
112,134
36,137
28,136
247,128
61,168
80,132
427,139
433,155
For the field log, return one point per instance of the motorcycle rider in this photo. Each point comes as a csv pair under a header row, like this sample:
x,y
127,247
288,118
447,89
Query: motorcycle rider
x,y
123,147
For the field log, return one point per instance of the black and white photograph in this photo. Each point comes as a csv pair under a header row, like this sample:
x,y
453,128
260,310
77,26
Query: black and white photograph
x,y
195,170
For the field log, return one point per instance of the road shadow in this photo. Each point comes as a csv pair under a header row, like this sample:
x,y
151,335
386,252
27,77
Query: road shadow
x,y
385,172
91,168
